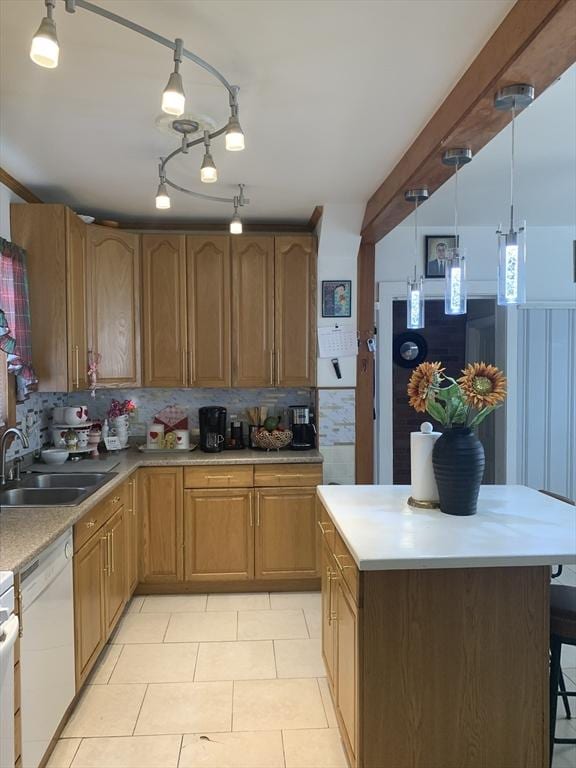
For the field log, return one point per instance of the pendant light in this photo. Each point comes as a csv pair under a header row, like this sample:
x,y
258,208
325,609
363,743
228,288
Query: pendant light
x,y
45,50
415,286
236,221
234,133
512,244
208,172
455,290
162,196
173,97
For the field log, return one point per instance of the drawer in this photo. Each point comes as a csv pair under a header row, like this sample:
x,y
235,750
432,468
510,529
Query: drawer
x,y
326,529
346,566
223,476
93,520
277,475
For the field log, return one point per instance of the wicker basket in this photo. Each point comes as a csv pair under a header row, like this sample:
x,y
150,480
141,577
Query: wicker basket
x,y
270,441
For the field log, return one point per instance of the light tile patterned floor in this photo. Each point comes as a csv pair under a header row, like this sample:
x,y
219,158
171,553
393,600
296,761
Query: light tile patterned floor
x,y
218,681
224,681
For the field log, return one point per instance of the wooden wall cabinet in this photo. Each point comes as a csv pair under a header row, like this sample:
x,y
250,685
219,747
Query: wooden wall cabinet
x,y
286,533
113,280
209,310
253,311
164,342
55,242
219,535
160,499
295,310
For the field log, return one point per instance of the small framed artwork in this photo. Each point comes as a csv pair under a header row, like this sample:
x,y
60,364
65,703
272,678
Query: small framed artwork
x,y
435,250
336,298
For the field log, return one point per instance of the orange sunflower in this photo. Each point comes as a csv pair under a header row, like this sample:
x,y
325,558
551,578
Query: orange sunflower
x,y
423,378
482,385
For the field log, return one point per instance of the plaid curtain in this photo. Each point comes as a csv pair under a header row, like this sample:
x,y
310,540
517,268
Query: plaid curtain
x,y
15,337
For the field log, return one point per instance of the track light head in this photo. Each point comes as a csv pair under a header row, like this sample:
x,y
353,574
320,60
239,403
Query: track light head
x,y
45,49
162,197
173,97
208,171
234,135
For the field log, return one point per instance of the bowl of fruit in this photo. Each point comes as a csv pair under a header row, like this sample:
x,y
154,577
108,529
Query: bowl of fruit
x,y
271,436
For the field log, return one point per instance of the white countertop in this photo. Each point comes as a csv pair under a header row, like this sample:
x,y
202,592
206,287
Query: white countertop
x,y
514,526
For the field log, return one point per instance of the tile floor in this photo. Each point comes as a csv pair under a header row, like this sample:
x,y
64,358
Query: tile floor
x,y
217,681
221,681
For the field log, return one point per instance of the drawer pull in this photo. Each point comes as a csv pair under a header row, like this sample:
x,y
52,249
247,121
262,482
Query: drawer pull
x,y
219,477
90,523
116,499
321,526
342,567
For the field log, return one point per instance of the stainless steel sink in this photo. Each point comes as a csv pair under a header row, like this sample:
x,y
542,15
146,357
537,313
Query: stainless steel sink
x,y
63,480
41,497
53,490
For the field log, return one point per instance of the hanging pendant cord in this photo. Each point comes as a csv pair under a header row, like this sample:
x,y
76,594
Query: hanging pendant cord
x,y
456,207
512,168
415,237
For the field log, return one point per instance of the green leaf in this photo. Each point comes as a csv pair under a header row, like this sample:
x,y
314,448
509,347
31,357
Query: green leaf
x,y
481,415
436,411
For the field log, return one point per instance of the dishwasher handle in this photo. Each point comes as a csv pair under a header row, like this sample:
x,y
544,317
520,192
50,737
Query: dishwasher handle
x,y
8,635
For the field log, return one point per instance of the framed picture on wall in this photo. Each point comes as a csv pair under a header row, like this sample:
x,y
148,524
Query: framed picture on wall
x,y
435,249
336,298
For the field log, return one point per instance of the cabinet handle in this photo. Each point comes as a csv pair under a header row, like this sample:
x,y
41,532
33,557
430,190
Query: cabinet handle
x,y
251,512
218,477
76,352
342,567
106,554
90,523
329,599
20,614
277,354
116,499
184,364
321,526
271,366
258,512
112,556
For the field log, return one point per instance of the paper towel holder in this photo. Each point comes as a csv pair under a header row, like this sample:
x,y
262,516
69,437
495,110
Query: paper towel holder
x,y
423,504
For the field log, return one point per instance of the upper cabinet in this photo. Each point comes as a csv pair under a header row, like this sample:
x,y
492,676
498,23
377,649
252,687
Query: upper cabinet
x,y
208,286
113,258
253,311
164,348
55,241
295,311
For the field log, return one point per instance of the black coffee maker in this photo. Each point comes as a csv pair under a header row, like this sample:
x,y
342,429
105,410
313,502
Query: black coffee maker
x,y
212,420
303,428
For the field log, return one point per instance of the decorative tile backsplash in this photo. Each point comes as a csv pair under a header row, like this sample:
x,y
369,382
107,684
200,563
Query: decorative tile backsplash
x,y
337,416
36,410
150,401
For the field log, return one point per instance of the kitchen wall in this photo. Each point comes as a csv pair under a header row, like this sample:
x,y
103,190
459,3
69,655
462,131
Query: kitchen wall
x,y
6,197
549,257
337,434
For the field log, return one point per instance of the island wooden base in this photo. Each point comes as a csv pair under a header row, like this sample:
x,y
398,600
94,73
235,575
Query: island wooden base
x,y
450,667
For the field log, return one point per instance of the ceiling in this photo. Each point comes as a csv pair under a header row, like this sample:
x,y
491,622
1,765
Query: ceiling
x,y
545,177
332,94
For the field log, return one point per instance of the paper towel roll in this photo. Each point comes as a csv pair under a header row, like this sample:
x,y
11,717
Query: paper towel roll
x,y
424,486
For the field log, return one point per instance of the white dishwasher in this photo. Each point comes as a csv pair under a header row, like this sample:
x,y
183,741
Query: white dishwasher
x,y
46,647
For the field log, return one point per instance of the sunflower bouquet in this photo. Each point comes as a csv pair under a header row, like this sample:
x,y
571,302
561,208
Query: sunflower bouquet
x,y
462,402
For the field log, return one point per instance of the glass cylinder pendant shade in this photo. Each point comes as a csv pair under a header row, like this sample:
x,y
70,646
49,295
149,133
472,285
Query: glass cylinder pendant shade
x,y
512,267
415,303
455,295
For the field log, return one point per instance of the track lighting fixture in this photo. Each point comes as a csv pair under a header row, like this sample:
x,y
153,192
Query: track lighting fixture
x,y
512,244
173,98
208,172
45,50
415,300
455,292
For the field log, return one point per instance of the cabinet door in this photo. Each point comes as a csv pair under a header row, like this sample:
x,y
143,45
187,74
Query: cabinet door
x,y
132,536
160,511
117,571
295,310
286,533
164,310
89,604
76,302
252,311
218,535
208,278
328,573
114,305
347,661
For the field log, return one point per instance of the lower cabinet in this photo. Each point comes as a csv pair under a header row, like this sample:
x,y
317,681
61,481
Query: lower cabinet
x,y
328,574
89,604
160,495
218,535
286,533
116,568
346,682
132,536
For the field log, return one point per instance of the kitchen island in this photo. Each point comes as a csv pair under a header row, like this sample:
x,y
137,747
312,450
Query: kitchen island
x,y
435,628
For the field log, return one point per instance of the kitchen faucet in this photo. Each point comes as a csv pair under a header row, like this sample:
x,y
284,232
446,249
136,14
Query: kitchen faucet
x,y
3,448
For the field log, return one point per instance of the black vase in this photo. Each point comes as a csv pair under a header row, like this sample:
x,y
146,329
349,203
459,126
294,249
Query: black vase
x,y
458,461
